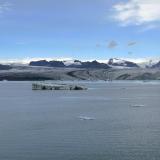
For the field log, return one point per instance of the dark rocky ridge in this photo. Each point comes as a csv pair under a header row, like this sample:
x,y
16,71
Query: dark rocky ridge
x,y
94,64
47,63
5,67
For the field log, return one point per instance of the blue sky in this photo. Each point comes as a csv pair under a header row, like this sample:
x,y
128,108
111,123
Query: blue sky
x,y
81,29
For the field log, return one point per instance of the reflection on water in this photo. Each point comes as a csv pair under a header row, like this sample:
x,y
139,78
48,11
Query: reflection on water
x,y
98,124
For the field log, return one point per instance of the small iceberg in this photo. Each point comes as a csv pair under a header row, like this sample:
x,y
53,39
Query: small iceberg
x,y
137,105
4,80
54,86
86,118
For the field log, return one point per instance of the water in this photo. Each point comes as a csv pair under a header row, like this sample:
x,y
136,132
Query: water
x,y
48,125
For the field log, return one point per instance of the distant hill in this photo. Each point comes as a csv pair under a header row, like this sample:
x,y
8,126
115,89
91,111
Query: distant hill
x,y
5,67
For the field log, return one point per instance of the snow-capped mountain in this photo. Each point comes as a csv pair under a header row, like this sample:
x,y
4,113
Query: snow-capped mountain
x,y
157,65
119,63
112,63
148,62
70,64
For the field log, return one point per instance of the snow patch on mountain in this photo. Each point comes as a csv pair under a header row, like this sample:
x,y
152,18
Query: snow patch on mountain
x,y
72,62
120,63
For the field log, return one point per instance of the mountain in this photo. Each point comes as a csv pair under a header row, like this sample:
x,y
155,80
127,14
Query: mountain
x,y
112,63
94,64
70,64
56,64
119,63
39,63
5,67
157,65
47,63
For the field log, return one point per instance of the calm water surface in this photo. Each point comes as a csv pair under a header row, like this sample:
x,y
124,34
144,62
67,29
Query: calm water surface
x,y
121,122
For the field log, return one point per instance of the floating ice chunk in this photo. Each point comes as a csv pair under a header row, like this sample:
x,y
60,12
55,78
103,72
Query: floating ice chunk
x,y
86,118
138,105
4,80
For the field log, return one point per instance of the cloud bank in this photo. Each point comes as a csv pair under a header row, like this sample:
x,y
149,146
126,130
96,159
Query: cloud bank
x,y
137,13
4,7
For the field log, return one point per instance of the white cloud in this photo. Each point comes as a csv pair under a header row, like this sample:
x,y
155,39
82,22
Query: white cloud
x,y
4,7
137,13
112,44
131,43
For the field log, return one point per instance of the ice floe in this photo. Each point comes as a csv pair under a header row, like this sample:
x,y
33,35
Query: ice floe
x,y
85,118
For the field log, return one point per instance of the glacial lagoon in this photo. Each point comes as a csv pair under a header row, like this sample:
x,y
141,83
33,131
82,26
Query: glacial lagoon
x,y
117,120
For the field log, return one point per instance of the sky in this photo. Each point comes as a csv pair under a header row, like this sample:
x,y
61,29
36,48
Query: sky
x,y
79,29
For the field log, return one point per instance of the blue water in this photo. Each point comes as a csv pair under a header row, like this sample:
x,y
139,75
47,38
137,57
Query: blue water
x,y
101,123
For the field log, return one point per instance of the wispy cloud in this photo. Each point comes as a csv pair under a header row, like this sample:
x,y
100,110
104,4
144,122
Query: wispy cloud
x,y
4,7
131,43
112,44
98,45
137,13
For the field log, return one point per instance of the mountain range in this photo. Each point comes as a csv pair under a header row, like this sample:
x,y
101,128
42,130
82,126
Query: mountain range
x,y
112,63
114,68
